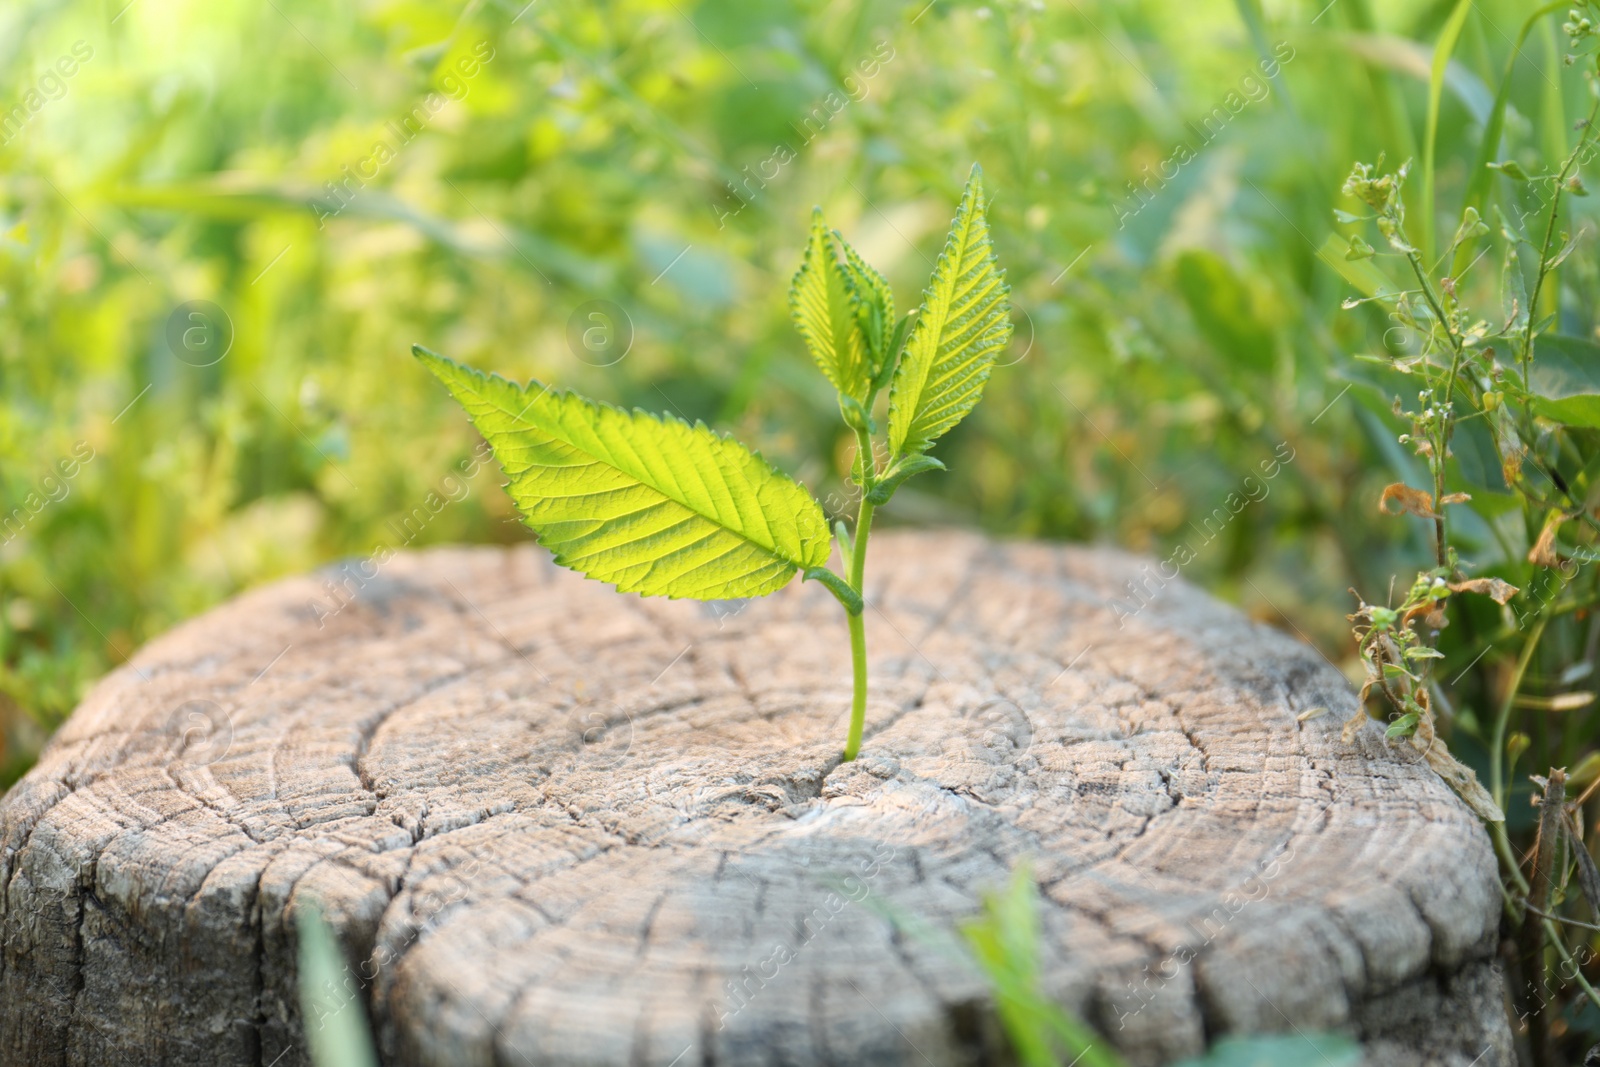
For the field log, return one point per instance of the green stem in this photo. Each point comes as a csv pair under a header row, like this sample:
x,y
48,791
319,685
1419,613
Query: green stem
x,y
866,476
1508,857
1497,744
1526,356
858,633
1566,957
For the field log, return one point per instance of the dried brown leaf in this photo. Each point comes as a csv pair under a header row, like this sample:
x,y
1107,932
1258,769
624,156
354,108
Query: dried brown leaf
x,y
1496,589
1543,553
1588,873
1462,782
1408,500
1355,723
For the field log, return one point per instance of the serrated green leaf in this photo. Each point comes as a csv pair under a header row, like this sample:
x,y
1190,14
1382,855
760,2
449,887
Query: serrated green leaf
x,y
824,308
648,503
874,303
964,320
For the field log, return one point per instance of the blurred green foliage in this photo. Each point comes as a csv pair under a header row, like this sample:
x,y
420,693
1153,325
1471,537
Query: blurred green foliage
x,y
663,157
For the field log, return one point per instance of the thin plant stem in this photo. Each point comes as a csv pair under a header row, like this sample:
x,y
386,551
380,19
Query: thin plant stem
x,y
1526,359
865,471
1566,957
1561,919
1446,427
858,660
1497,745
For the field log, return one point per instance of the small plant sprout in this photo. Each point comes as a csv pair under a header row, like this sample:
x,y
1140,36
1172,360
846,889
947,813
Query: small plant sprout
x,y
659,507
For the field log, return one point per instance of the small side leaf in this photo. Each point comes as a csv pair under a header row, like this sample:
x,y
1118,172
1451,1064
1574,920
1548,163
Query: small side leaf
x,y
837,586
964,320
896,475
823,307
855,413
651,504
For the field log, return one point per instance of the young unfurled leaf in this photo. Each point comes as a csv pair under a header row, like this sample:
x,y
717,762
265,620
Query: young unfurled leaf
x,y
964,320
824,307
874,307
650,504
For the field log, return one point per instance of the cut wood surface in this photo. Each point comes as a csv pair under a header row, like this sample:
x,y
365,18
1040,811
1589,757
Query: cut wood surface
x,y
554,825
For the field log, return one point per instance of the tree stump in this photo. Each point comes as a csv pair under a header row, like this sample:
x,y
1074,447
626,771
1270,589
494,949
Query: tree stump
x,y
554,825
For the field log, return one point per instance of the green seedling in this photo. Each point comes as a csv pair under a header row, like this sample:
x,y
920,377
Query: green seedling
x,y
659,507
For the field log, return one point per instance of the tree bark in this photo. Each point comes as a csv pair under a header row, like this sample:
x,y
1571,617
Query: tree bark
x,y
552,824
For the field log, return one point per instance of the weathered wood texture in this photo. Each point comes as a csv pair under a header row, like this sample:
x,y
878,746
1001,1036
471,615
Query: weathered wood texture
x,y
556,825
